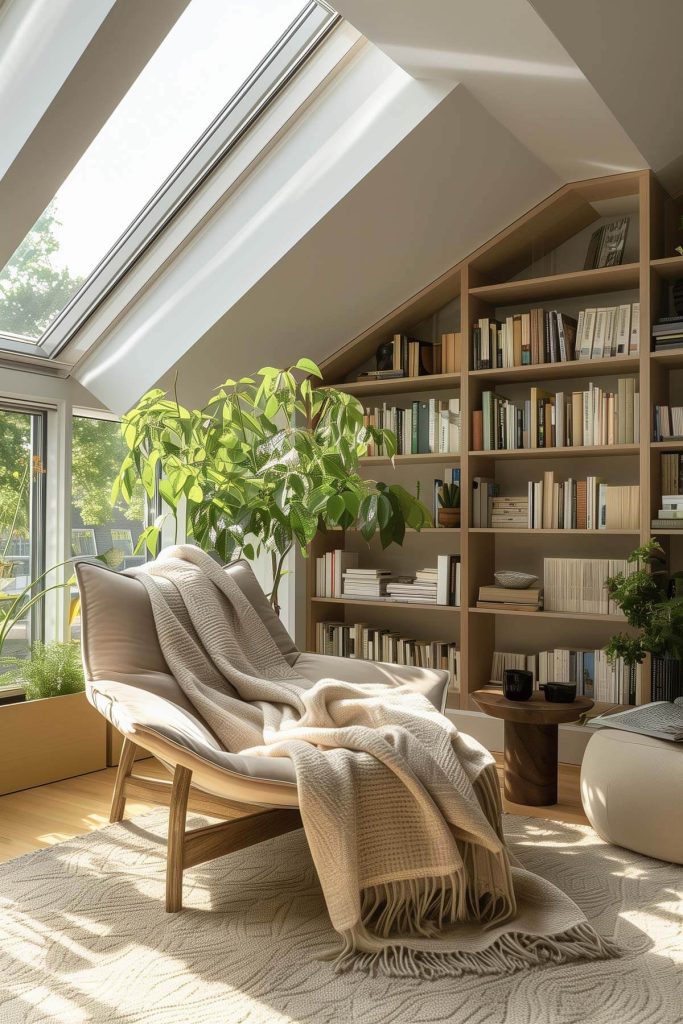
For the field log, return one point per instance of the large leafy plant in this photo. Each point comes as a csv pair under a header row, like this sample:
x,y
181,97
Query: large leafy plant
x,y
267,463
652,601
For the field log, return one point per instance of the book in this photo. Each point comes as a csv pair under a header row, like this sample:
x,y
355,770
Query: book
x,y
660,719
530,596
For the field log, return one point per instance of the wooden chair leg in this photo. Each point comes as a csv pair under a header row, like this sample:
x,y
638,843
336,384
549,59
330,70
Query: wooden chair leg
x,y
182,777
118,800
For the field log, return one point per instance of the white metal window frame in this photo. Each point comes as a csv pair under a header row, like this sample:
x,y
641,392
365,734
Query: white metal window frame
x,y
275,70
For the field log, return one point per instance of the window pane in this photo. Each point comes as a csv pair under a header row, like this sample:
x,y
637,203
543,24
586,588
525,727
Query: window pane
x,y
210,51
100,529
22,480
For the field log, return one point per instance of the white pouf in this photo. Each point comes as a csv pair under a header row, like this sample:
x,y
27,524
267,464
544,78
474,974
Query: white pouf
x,y
632,792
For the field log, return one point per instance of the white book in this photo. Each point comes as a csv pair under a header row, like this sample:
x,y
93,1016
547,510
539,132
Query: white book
x,y
453,425
432,426
442,567
586,349
634,343
611,333
342,560
600,336
623,329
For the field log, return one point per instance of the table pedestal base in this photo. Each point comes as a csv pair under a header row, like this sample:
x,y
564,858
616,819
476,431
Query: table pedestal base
x,y
531,764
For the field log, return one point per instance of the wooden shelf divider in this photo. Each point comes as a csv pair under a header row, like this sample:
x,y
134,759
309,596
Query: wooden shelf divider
x,y
482,282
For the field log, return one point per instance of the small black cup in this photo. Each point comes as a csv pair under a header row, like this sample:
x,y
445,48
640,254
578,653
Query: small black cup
x,y
518,684
559,693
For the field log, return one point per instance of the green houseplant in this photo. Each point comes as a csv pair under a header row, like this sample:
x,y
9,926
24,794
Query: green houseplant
x,y
52,670
652,601
449,505
267,463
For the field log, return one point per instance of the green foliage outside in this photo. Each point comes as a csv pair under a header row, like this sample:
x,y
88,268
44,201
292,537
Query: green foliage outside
x,y
652,601
267,463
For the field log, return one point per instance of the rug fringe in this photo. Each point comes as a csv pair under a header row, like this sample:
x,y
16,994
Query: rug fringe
x,y
508,954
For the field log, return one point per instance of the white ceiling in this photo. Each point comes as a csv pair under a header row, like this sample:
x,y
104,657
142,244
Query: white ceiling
x,y
506,56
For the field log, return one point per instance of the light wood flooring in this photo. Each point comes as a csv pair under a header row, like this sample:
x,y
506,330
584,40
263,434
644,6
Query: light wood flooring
x,y
47,815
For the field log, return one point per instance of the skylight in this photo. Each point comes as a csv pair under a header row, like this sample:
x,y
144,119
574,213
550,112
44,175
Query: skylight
x,y
125,186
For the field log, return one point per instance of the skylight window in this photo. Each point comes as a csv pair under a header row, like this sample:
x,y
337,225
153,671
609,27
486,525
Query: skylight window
x,y
199,85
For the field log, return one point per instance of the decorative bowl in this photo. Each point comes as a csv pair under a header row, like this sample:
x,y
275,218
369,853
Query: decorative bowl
x,y
514,580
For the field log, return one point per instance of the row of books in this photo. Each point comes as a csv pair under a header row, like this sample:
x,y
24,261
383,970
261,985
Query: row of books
x,y
497,598
671,464
330,569
411,357
668,422
556,420
424,427
595,676
338,575
667,679
373,643
578,584
588,504
667,334
548,336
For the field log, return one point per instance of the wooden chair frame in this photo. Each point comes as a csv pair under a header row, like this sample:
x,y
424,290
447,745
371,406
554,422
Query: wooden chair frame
x,y
188,847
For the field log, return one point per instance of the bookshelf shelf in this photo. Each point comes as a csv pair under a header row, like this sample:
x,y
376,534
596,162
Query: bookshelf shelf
x,y
473,288
672,359
558,533
558,371
401,385
595,451
452,530
560,286
449,608
379,460
666,533
563,616
670,268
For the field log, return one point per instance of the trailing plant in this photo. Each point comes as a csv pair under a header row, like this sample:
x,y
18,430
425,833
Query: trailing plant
x,y
449,496
268,462
52,670
652,601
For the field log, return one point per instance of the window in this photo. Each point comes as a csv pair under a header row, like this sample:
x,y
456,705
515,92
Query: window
x,y
99,528
146,159
22,519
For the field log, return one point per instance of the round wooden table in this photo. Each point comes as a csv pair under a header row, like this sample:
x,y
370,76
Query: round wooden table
x,y
530,742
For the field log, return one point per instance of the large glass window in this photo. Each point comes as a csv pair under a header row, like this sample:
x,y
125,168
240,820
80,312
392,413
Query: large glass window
x,y
203,68
22,523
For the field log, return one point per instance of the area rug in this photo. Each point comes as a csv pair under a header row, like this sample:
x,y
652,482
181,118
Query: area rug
x,y
84,938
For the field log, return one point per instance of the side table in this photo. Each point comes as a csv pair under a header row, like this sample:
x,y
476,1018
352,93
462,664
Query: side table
x,y
530,742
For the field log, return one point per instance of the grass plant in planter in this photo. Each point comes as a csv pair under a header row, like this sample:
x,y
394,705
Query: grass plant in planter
x,y
449,505
267,463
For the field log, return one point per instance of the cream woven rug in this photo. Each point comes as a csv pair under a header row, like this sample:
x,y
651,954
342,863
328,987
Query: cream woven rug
x,y
84,938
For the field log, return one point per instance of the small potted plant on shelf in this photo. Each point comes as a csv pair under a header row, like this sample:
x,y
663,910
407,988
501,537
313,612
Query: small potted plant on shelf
x,y
449,505
651,598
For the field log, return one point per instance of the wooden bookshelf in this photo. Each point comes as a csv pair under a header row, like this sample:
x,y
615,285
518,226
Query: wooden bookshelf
x,y
508,271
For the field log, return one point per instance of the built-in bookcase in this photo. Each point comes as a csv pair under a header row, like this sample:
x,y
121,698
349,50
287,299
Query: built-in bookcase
x,y
537,261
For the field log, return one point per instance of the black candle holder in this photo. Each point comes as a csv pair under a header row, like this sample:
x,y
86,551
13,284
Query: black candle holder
x,y
518,684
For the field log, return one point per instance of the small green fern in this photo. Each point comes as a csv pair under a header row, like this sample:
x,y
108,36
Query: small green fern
x,y
52,670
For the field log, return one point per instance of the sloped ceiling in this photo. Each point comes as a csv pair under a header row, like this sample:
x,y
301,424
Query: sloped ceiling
x,y
411,218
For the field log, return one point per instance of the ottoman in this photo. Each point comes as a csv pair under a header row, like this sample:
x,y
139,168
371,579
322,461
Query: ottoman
x,y
632,792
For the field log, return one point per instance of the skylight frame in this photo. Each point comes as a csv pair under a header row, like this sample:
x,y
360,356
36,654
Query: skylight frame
x,y
270,76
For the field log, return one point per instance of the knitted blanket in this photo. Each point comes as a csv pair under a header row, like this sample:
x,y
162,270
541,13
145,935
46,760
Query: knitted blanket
x,y
401,811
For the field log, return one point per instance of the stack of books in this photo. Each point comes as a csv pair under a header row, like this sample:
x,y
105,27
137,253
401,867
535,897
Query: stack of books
x,y
440,585
670,515
375,643
508,513
423,427
667,334
497,598
668,422
548,336
366,584
588,504
558,420
329,572
579,584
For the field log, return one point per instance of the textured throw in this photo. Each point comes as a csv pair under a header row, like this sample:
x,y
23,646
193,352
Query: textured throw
x,y
401,811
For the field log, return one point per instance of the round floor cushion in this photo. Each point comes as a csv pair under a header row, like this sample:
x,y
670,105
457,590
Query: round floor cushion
x,y
632,792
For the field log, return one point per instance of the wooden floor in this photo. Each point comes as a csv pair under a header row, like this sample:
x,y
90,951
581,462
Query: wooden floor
x,y
47,815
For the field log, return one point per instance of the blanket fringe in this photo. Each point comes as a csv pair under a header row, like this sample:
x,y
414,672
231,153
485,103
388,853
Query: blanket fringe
x,y
509,953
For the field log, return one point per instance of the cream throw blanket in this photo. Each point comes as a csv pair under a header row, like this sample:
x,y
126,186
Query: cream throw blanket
x,y
401,811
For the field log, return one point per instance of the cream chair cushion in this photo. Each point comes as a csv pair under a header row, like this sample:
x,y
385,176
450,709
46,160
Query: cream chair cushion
x,y
632,792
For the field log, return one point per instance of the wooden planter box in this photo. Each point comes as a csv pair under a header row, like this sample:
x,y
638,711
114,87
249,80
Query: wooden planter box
x,y
48,740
